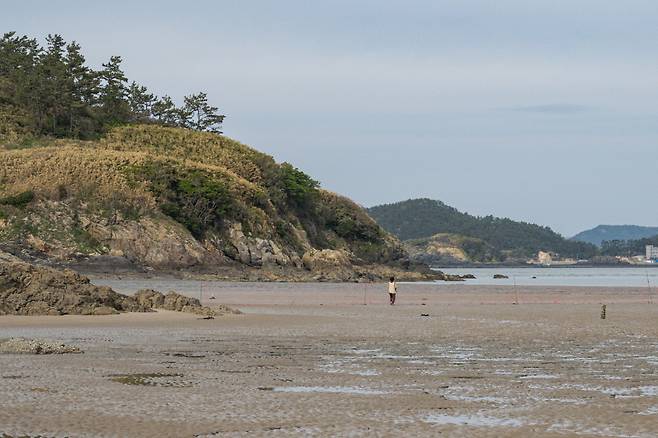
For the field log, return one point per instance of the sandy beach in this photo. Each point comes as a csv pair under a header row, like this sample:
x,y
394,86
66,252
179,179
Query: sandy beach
x,y
314,360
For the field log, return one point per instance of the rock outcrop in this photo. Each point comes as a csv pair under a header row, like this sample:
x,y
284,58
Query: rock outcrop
x,y
172,301
254,251
27,289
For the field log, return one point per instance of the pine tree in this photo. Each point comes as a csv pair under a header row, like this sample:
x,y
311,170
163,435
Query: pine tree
x,y
53,96
141,102
51,91
82,86
114,93
165,112
199,115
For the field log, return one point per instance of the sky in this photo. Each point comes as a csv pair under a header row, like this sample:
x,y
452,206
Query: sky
x,y
539,110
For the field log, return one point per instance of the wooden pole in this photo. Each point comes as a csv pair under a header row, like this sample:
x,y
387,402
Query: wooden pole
x,y
649,287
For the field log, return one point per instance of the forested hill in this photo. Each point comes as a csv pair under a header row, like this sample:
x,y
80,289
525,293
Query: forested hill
x,y
627,248
421,218
603,233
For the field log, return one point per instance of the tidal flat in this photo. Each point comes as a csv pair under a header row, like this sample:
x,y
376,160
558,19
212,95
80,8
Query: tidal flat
x,y
314,360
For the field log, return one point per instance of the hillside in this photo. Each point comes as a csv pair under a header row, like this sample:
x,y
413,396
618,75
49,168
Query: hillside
x,y
501,239
175,199
627,248
445,248
602,233
97,171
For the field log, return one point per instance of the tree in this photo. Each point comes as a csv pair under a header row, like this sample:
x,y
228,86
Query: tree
x,y
83,87
51,91
114,94
141,102
199,115
165,112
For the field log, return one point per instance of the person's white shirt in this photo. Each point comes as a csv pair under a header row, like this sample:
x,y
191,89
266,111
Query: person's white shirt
x,y
392,287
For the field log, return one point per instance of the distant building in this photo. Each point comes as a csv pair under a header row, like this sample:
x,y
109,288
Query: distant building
x,y
544,258
652,253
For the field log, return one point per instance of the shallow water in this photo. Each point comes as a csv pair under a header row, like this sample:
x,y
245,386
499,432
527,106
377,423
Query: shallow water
x,y
562,276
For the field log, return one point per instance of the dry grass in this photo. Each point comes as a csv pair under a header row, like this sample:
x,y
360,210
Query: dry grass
x,y
200,147
101,172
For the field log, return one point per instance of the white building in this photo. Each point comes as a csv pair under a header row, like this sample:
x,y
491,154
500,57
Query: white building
x,y
652,252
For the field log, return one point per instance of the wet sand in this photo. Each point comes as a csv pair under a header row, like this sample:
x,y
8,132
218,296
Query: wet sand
x,y
312,359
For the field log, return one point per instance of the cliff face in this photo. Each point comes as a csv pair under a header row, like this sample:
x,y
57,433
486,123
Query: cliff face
x,y
450,249
172,199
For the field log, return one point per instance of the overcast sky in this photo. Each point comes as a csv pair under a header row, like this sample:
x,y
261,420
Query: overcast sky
x,y
537,110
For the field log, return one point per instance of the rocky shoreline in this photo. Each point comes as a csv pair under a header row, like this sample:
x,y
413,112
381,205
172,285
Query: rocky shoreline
x,y
28,289
317,266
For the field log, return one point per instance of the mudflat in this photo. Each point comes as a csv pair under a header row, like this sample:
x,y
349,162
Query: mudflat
x,y
313,359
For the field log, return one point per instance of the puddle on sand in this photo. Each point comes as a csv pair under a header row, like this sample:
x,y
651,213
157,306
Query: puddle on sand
x,y
475,398
649,391
329,390
652,410
572,428
473,420
539,376
366,351
365,373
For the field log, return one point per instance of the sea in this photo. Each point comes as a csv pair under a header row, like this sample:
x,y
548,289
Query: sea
x,y
639,276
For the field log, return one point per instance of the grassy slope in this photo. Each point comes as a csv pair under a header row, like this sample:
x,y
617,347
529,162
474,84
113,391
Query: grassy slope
x,y
169,173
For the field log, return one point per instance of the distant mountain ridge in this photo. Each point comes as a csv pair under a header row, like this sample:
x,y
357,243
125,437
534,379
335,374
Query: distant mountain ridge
x,y
601,233
505,238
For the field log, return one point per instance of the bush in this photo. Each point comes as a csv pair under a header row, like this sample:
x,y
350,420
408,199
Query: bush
x,y
299,188
349,227
19,201
192,197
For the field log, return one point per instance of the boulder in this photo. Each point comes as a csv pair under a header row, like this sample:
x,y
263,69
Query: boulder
x,y
149,298
179,303
27,289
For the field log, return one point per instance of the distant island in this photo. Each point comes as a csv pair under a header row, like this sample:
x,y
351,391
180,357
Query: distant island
x,y
438,234
601,233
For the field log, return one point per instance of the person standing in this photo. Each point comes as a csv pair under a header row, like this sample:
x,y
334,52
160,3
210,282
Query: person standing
x,y
392,290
